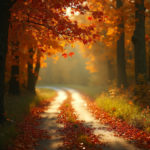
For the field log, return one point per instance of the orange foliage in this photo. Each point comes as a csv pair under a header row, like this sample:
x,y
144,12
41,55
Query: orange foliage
x,y
44,27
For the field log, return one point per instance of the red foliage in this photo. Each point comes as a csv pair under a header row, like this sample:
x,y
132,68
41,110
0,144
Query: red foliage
x,y
75,134
71,54
90,18
42,50
65,55
147,37
28,132
97,14
47,19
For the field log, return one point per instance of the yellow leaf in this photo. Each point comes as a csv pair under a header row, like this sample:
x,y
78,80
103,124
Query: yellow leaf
x,y
110,31
55,58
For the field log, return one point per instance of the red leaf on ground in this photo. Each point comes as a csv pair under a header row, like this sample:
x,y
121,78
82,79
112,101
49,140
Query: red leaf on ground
x,y
75,134
29,134
123,129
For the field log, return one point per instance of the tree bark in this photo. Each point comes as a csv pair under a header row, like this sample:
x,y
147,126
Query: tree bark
x,y
121,62
138,40
14,85
33,73
4,25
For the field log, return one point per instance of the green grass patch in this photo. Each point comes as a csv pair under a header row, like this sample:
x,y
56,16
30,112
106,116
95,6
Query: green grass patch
x,y
126,110
16,108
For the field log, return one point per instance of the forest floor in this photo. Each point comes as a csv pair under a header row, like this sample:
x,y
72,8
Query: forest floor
x,y
73,122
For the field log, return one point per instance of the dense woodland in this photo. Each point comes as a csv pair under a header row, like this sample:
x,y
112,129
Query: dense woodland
x,y
33,29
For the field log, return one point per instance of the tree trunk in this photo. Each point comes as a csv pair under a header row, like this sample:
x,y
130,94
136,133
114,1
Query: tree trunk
x,y
4,25
37,69
33,73
138,40
14,86
121,62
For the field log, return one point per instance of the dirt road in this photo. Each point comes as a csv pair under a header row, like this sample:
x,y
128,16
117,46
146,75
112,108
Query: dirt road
x,y
49,122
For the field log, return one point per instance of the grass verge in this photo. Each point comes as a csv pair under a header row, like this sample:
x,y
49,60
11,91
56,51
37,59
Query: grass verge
x,y
126,110
16,108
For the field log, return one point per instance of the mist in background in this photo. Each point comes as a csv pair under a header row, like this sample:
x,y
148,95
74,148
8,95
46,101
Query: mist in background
x,y
75,70
70,70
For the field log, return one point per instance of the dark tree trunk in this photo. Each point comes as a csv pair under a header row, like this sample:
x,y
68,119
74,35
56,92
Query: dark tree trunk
x,y
121,62
4,25
33,73
139,42
14,86
37,69
30,82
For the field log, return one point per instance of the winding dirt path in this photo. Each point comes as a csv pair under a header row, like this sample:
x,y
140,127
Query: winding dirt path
x,y
49,122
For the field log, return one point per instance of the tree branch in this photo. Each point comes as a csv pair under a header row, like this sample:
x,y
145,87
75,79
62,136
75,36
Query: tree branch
x,y
12,3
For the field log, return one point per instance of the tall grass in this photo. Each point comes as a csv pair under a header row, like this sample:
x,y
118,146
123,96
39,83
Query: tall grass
x,y
16,108
126,110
